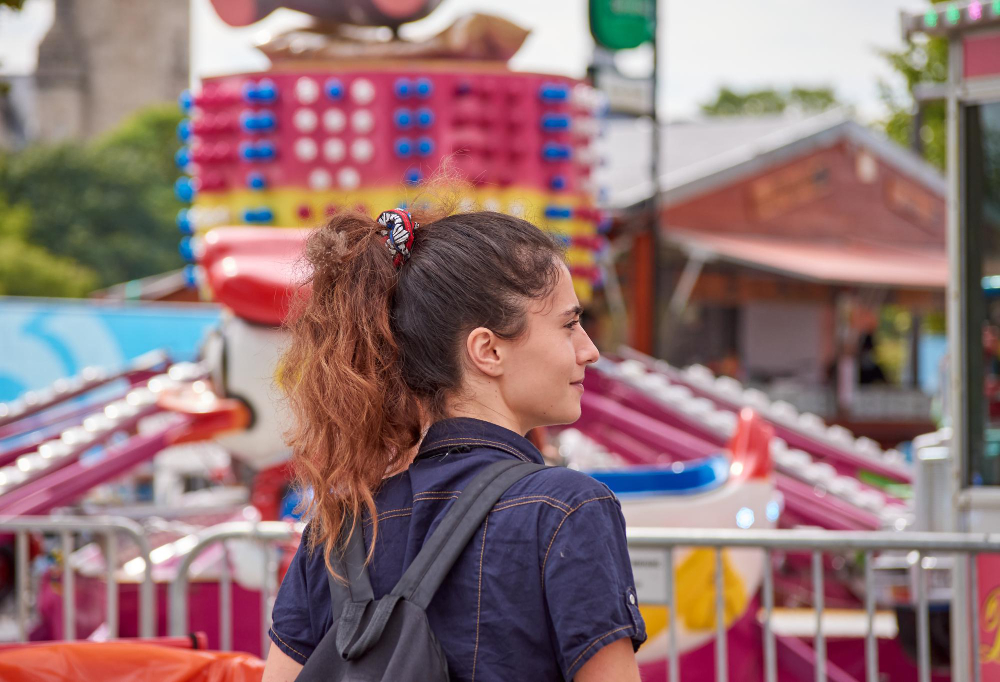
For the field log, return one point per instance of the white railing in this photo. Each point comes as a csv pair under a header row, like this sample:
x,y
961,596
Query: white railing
x,y
266,534
965,547
67,528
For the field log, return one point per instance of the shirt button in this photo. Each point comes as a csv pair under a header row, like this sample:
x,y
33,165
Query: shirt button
x,y
631,599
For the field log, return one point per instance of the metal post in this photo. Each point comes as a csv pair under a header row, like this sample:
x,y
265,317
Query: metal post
x,y
267,591
673,665
68,596
817,567
770,660
721,655
21,584
977,671
111,584
923,624
225,603
871,648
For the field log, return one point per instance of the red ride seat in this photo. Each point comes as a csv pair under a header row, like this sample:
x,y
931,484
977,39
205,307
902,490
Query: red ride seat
x,y
255,270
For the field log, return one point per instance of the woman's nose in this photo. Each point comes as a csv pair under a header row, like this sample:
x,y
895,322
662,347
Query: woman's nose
x,y
588,354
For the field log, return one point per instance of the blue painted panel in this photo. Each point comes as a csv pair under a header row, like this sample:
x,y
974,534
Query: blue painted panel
x,y
42,340
680,478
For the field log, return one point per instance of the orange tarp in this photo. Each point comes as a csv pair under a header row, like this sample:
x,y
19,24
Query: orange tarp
x,y
125,662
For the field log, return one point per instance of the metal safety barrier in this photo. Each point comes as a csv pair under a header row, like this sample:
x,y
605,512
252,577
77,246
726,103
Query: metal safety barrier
x,y
965,547
266,534
110,528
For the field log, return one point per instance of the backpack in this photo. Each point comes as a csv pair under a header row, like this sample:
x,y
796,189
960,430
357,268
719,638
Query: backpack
x,y
390,640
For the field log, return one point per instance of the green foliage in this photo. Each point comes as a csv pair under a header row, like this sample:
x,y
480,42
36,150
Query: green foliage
x,y
15,4
30,270
108,205
769,101
922,60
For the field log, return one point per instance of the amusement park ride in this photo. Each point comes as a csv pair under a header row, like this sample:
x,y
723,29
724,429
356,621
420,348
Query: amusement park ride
x,y
275,152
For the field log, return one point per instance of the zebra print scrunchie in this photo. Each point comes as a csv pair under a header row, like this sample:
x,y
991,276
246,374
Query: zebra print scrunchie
x,y
397,232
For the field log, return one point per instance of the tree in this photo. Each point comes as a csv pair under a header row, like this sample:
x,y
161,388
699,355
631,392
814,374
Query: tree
x,y
922,60
108,205
30,270
769,101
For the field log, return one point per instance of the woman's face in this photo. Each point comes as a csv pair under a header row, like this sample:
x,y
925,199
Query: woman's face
x,y
542,380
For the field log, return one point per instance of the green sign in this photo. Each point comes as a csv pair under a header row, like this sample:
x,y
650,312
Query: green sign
x,y
622,24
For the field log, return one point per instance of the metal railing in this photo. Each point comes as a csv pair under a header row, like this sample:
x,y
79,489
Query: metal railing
x,y
964,615
266,534
110,528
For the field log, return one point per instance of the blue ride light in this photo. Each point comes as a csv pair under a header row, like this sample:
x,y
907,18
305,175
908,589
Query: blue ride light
x,y
258,215
557,182
553,92
264,92
554,151
403,147
402,88
556,122
555,212
256,181
186,248
184,223
425,118
563,239
402,118
424,88
185,101
184,130
183,157
334,88
185,190
413,176
261,151
425,146
191,276
256,122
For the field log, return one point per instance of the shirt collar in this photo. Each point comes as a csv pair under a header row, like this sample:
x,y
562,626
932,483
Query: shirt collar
x,y
462,434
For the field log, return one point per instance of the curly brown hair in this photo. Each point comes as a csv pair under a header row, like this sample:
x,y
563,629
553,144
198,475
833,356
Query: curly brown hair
x,y
375,350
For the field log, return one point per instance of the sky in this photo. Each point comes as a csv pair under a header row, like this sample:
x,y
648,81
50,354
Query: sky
x,y
705,43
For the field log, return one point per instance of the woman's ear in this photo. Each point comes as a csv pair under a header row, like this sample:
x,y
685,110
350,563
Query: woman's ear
x,y
482,348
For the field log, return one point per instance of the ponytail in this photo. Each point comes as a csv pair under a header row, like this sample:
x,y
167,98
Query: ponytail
x,y
355,420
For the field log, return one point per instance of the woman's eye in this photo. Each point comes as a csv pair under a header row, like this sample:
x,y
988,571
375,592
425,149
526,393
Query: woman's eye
x,y
572,324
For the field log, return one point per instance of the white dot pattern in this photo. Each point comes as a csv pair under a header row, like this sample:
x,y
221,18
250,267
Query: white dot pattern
x,y
333,150
334,120
305,149
362,121
306,90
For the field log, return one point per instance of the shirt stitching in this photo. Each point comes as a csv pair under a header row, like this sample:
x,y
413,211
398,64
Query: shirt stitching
x,y
518,504
563,505
556,532
479,599
387,515
304,657
592,644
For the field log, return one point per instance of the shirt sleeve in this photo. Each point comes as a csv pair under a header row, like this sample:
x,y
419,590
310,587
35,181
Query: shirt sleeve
x,y
589,589
291,622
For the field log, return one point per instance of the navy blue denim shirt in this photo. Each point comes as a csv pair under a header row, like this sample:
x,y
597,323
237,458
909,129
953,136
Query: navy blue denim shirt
x,y
541,588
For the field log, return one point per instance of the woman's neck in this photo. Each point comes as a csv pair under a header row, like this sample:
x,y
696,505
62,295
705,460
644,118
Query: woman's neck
x,y
493,411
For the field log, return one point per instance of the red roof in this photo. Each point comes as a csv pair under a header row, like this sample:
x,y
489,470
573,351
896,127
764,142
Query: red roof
x,y
847,262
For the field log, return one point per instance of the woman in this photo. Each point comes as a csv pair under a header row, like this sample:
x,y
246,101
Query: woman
x,y
468,324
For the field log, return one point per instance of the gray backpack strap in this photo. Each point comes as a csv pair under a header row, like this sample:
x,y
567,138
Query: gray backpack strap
x,y
429,568
351,599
